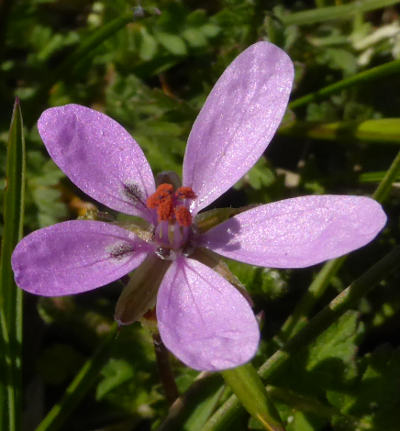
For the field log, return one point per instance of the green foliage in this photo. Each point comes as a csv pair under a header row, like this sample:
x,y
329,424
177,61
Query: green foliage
x,y
327,363
151,66
376,397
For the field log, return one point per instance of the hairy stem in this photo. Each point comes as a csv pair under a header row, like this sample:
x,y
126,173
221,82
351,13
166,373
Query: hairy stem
x,y
164,369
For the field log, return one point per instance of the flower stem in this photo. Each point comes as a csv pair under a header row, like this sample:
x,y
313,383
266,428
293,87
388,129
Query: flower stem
x,y
231,409
164,368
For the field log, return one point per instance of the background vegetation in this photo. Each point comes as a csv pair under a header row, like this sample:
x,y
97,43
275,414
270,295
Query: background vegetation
x,y
150,66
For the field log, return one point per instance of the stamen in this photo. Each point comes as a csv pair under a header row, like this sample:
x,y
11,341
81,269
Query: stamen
x,y
152,201
185,193
165,188
165,209
174,218
183,216
164,191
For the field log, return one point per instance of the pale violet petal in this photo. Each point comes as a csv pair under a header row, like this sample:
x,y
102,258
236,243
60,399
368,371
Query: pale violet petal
x,y
99,156
299,232
203,319
237,121
75,256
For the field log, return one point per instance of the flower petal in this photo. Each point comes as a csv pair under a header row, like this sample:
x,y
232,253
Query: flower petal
x,y
99,156
237,122
299,232
204,320
75,256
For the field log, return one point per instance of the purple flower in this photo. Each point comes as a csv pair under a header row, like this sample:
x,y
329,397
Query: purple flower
x,y
202,318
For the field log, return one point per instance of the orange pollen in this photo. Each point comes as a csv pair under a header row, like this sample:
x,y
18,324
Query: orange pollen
x,y
165,209
165,188
183,216
152,201
185,193
163,192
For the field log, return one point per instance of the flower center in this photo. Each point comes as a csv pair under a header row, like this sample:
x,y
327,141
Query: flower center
x,y
174,220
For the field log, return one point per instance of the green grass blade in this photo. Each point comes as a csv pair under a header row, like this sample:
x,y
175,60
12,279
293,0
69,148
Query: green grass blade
x,y
369,75
248,387
385,186
374,177
10,295
13,208
382,131
322,14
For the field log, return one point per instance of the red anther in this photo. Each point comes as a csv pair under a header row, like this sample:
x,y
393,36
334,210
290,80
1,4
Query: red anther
x,y
163,192
165,209
183,216
185,193
165,188
153,201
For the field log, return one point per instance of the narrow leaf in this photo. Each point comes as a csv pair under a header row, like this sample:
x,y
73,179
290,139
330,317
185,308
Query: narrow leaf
x,y
385,186
10,295
374,177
